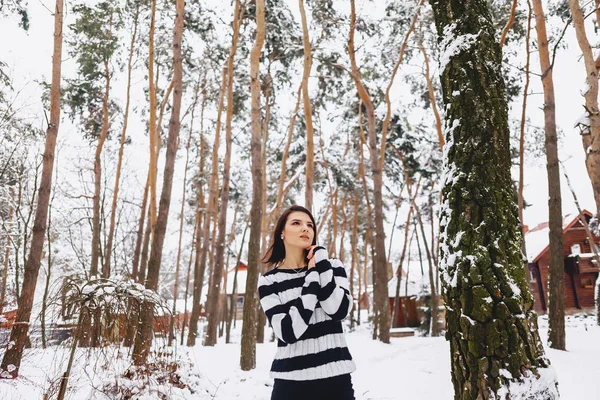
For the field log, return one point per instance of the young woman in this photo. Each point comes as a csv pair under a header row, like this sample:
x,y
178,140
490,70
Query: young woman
x,y
305,297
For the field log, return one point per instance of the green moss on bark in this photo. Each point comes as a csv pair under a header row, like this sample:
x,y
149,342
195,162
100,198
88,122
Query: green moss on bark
x,y
489,308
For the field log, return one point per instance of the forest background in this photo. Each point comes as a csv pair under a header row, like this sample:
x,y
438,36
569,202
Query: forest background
x,y
413,157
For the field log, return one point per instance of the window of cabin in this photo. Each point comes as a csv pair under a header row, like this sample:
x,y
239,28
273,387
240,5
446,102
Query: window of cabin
x,y
576,249
532,275
587,282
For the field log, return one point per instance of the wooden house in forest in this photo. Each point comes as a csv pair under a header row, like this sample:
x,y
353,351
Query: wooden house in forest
x,y
240,290
414,291
581,270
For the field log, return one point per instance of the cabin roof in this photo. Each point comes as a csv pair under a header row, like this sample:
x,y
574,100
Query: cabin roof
x,y
418,284
241,278
537,241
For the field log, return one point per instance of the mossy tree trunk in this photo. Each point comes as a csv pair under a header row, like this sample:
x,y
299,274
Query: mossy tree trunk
x,y
495,347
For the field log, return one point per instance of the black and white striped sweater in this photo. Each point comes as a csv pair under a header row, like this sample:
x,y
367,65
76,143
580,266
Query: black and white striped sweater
x,y
305,310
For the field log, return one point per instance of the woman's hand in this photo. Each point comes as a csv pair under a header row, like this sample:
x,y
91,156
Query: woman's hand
x,y
310,256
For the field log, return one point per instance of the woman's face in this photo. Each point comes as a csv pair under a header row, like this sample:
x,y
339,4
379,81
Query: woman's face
x,y
299,230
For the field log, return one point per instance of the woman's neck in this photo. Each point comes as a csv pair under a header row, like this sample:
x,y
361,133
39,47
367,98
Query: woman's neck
x,y
294,258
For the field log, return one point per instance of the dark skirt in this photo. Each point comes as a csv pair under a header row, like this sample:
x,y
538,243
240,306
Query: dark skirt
x,y
335,388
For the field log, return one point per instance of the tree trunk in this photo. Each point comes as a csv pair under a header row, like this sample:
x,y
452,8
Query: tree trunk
x,y
432,99
399,269
434,328
591,135
213,245
214,291
267,85
233,307
414,233
62,390
418,247
140,277
11,214
495,348
153,135
25,229
509,23
96,219
200,220
248,348
18,335
365,282
48,276
369,232
310,142
145,247
143,339
520,201
113,209
226,306
181,220
193,250
388,102
380,274
140,233
208,218
19,239
355,258
334,224
398,204
556,289
284,156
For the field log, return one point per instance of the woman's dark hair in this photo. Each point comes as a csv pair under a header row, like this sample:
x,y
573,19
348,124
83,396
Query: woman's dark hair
x,y
276,252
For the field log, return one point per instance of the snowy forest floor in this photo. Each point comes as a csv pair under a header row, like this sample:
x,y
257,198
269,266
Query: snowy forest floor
x,y
409,368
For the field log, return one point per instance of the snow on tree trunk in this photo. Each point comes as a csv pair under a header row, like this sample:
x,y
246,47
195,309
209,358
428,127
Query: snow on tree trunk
x,y
496,352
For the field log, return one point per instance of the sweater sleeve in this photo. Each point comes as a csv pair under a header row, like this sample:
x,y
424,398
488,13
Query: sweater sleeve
x,y
290,320
334,295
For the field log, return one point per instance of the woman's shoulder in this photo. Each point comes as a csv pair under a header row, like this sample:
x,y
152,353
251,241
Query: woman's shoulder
x,y
270,272
335,262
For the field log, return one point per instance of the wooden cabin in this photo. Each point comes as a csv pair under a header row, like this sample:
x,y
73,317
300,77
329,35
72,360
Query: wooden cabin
x,y
240,291
411,298
407,315
581,270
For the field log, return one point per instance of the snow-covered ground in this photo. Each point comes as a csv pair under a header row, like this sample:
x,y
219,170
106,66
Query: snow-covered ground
x,y
409,368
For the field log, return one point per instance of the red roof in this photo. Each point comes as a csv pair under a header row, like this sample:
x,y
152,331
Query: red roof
x,y
242,267
537,241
